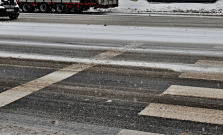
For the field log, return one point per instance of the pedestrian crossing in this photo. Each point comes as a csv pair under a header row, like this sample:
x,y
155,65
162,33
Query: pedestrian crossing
x,y
186,113
177,90
205,76
210,63
203,115
134,132
28,88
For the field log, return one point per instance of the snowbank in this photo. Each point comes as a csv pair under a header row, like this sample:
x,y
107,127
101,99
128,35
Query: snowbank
x,y
142,6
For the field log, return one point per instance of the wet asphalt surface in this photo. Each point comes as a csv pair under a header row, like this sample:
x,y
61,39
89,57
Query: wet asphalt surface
x,y
83,98
99,18
104,99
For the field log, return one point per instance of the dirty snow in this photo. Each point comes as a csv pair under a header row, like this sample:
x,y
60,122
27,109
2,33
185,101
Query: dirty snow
x,y
142,6
121,48
178,67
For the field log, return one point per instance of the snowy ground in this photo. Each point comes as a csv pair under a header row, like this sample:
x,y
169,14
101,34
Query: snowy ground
x,y
142,6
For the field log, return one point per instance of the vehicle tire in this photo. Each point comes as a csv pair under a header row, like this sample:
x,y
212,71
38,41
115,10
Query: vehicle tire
x,y
60,8
26,8
44,8
13,16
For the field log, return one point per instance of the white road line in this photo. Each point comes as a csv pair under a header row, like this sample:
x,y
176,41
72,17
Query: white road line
x,y
203,76
218,47
206,76
184,113
194,92
107,55
169,66
134,132
210,63
191,113
40,83
21,91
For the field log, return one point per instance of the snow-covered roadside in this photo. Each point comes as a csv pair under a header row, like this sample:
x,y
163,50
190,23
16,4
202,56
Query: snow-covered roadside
x,y
142,6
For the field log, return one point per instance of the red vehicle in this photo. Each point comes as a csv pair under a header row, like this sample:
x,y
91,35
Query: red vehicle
x,y
60,6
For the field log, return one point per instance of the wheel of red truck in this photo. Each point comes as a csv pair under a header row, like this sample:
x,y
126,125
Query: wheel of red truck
x,y
44,8
59,8
26,8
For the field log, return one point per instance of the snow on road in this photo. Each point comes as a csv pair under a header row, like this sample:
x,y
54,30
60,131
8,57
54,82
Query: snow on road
x,y
210,36
142,6
178,67
128,33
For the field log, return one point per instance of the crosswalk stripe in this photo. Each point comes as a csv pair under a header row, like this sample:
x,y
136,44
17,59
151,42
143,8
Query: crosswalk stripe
x,y
184,113
218,47
134,132
23,90
194,92
205,76
191,113
107,55
209,63
40,83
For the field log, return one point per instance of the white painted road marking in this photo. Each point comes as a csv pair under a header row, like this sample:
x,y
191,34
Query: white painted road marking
x,y
191,113
134,132
23,90
107,55
194,92
40,83
184,113
210,63
203,76
218,47
206,76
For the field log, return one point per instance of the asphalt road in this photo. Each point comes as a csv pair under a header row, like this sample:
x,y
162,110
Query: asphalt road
x,y
99,18
106,88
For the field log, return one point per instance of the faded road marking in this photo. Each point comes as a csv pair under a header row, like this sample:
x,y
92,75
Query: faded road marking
x,y
218,47
203,76
178,67
134,132
40,83
107,55
191,113
210,63
184,113
206,76
194,92
23,90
